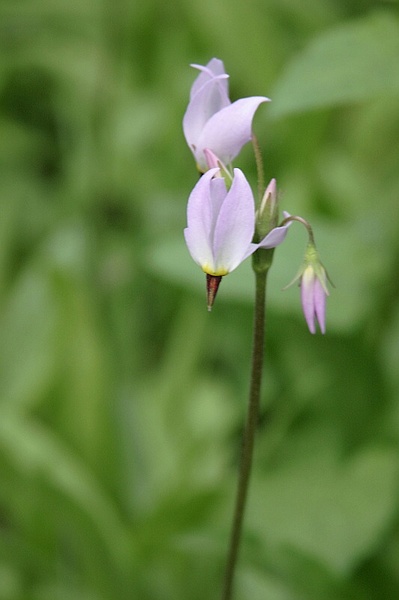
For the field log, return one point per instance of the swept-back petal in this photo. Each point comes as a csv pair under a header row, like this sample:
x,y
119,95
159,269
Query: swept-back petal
x,y
235,225
218,193
214,68
226,132
250,250
275,237
201,218
210,98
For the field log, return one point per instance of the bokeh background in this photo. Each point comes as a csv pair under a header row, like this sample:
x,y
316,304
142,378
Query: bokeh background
x,y
121,398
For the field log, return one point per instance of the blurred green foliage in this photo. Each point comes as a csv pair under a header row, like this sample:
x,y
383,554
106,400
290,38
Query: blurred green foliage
x,y
121,398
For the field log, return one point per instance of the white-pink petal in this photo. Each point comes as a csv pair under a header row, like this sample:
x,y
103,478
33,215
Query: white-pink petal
x,y
307,297
228,130
235,224
320,304
214,68
200,219
275,237
211,97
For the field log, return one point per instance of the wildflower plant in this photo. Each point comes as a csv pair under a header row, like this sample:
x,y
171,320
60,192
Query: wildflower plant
x,y
226,225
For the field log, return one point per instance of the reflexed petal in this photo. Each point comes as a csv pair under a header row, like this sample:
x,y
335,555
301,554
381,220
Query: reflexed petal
x,y
235,224
275,237
226,132
218,194
250,250
201,217
199,249
307,296
210,99
214,68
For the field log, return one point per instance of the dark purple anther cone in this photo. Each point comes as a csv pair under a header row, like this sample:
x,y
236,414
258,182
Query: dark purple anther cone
x,y
212,286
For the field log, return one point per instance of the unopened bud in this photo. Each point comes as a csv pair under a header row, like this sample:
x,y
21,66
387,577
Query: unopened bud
x,y
267,213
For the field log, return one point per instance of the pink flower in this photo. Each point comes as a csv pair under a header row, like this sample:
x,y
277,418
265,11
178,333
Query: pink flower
x,y
313,278
313,295
212,122
221,224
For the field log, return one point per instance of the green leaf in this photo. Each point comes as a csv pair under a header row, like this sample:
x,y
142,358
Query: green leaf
x,y
351,63
36,452
335,512
27,341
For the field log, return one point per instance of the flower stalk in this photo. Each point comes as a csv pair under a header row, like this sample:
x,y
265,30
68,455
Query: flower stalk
x,y
248,439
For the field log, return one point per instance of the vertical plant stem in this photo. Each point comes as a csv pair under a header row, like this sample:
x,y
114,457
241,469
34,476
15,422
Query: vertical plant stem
x,y
249,432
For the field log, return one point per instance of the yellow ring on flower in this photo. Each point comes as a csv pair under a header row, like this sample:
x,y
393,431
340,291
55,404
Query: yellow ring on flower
x,y
217,273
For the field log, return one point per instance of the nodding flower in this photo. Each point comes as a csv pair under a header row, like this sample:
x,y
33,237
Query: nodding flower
x,y
312,279
221,224
314,293
212,121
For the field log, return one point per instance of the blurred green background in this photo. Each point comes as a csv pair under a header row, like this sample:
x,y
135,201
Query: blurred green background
x,y
121,398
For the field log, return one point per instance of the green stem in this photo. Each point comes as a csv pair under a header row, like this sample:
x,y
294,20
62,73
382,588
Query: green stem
x,y
249,432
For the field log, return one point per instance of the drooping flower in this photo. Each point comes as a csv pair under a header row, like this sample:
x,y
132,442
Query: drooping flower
x,y
212,122
313,282
313,294
221,225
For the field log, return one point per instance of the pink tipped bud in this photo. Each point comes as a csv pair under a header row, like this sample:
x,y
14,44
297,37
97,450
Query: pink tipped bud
x,y
267,214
